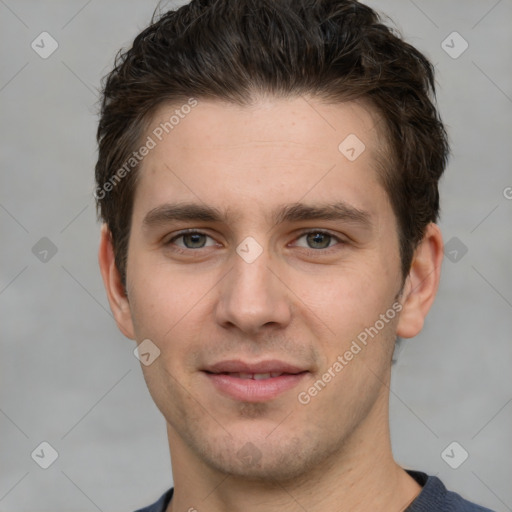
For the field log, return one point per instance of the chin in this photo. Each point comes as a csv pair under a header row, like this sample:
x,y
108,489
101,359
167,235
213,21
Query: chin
x,y
265,460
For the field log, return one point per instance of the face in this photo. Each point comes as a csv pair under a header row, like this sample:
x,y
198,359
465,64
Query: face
x,y
263,263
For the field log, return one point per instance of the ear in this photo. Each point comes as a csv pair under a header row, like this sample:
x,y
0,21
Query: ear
x,y
113,285
422,283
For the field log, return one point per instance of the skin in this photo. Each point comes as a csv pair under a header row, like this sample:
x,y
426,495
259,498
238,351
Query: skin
x,y
298,302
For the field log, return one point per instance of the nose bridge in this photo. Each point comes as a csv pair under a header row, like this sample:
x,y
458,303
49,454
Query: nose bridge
x,y
251,295
252,279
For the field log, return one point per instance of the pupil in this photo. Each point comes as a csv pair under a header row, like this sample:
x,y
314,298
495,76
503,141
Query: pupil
x,y
317,238
194,239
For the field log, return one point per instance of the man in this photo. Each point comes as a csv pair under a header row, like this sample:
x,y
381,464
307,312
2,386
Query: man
x,y
267,177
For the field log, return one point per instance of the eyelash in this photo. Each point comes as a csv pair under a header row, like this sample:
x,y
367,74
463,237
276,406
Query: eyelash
x,y
181,250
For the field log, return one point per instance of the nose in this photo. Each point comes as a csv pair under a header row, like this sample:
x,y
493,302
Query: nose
x,y
253,297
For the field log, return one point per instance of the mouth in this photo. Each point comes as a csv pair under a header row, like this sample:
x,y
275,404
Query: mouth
x,y
254,382
254,376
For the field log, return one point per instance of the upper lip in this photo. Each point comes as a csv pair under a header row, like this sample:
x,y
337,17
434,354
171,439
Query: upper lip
x,y
268,366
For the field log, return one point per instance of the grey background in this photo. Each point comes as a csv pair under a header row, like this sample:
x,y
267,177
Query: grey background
x,y
69,377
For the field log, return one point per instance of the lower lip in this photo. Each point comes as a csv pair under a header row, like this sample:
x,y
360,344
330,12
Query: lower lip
x,y
251,390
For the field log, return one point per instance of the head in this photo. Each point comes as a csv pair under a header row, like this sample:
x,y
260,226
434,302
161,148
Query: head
x,y
238,117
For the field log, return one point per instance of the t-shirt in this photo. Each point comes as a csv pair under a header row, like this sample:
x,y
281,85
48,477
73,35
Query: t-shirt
x,y
434,497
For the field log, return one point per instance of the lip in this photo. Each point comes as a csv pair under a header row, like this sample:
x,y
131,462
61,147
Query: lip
x,y
268,366
224,376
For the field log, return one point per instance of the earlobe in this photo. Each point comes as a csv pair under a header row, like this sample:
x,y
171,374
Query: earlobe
x,y
113,285
422,283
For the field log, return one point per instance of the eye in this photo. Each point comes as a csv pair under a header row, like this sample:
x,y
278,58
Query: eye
x,y
312,240
318,240
191,240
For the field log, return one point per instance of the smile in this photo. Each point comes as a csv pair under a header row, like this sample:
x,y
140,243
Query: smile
x,y
253,382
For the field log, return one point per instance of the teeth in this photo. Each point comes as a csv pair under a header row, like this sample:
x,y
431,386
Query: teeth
x,y
261,376
256,376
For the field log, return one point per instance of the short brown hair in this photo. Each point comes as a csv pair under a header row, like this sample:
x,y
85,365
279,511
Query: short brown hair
x,y
336,50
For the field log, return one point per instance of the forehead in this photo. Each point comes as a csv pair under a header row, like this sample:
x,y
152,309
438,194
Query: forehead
x,y
249,159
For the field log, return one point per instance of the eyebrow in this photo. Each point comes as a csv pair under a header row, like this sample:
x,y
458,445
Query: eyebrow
x,y
193,212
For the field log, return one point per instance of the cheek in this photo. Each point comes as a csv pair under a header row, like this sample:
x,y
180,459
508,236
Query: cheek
x,y
158,297
171,310
155,307
345,300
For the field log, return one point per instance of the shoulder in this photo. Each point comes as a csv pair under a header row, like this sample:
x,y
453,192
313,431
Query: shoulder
x,y
160,505
435,496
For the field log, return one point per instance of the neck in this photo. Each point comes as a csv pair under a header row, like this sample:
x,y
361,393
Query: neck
x,y
361,475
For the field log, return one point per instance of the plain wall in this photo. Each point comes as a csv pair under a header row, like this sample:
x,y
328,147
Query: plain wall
x,y
70,378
